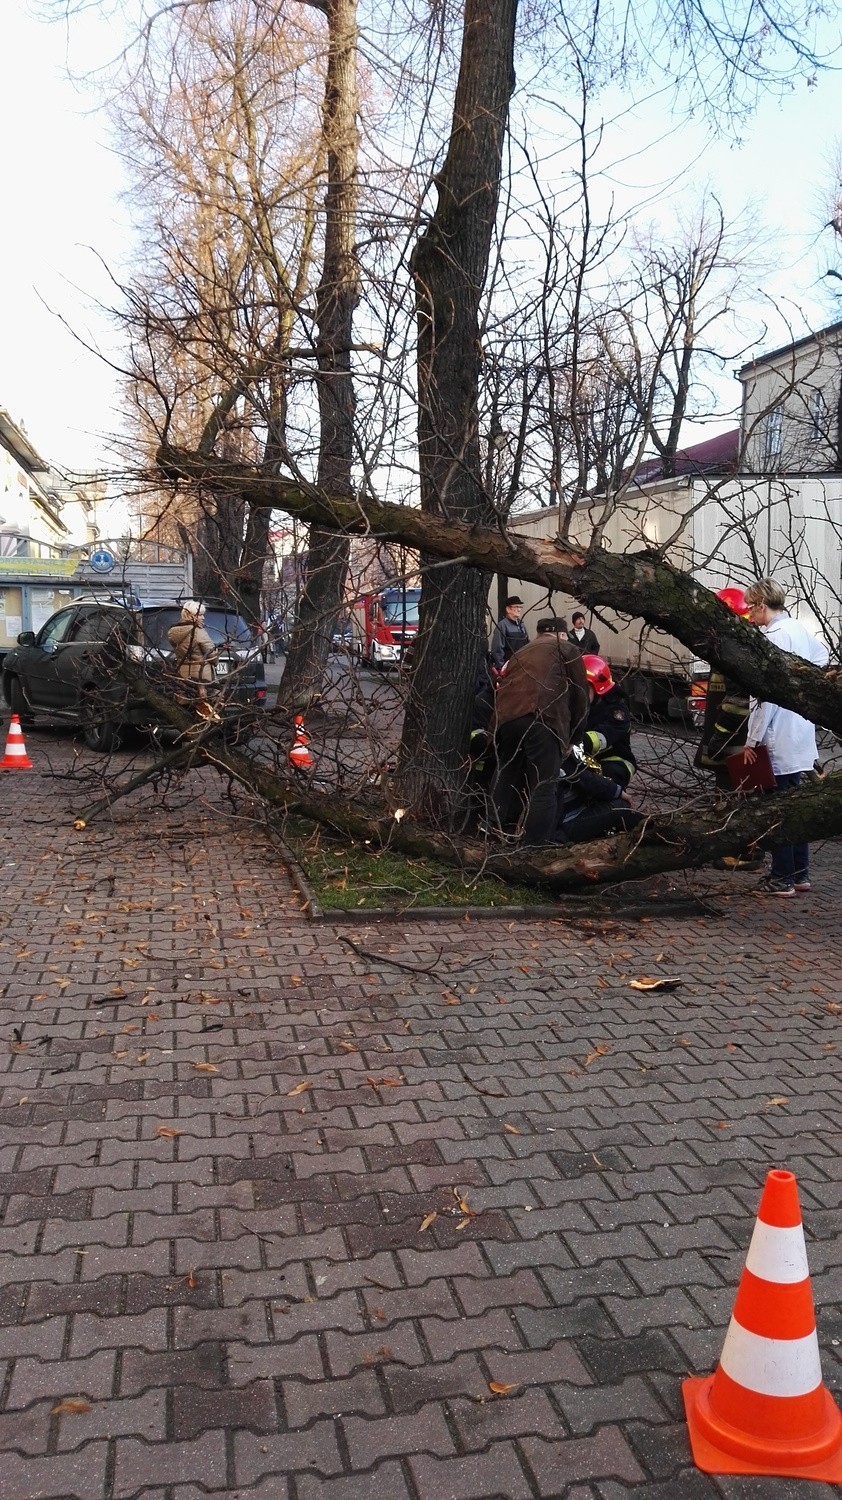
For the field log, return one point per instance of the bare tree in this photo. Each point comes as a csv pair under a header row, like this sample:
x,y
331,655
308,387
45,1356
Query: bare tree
x,y
227,249
336,299
449,265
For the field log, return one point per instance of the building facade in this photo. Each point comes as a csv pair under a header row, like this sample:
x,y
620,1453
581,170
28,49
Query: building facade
x,y
792,407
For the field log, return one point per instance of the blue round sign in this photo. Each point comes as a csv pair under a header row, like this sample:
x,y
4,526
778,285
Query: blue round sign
x,y
102,561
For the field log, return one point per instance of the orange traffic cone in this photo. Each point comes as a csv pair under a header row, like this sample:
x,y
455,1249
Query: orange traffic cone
x,y
766,1410
15,758
299,755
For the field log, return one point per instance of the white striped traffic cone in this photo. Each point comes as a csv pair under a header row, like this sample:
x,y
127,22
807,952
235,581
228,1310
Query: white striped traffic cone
x,y
15,758
299,755
766,1410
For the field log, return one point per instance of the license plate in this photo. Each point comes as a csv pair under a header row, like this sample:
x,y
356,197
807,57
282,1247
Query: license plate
x,y
222,669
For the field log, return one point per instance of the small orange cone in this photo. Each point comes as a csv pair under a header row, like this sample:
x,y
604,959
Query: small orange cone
x,y
766,1409
299,755
15,758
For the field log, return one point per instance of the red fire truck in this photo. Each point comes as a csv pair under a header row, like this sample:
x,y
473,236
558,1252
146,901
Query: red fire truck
x,y
384,624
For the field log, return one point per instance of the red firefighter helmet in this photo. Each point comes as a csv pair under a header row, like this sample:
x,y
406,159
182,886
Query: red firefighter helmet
x,y
598,674
735,599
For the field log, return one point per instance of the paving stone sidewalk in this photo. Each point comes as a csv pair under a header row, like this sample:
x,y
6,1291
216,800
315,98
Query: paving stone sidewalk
x,y
278,1213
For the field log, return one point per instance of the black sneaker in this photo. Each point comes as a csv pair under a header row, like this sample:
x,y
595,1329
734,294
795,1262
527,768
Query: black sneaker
x,y
802,883
774,886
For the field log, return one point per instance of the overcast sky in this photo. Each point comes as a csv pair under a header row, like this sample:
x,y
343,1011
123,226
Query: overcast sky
x,y
61,211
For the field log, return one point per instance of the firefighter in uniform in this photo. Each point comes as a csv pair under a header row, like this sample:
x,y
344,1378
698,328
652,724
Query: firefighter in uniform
x,y
592,799
726,710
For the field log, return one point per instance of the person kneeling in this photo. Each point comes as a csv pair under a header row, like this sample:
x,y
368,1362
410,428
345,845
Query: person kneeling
x,y
591,797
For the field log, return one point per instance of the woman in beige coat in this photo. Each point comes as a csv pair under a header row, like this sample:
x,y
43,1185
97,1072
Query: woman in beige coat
x,y
194,650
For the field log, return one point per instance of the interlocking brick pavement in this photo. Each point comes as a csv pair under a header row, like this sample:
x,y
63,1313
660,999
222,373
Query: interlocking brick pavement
x,y
221,1131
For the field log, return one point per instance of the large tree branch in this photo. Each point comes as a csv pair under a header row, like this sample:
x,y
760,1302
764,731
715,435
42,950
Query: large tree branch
x,y
640,584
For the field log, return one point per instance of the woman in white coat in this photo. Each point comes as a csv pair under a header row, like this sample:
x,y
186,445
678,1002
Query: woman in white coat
x,y
789,739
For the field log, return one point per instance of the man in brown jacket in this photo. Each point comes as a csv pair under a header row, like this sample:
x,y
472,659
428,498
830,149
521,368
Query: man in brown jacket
x,y
541,708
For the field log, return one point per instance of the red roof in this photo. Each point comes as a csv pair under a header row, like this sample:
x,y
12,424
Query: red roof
x,y
716,455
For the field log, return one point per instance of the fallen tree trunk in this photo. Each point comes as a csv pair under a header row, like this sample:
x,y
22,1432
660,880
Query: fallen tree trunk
x,y
672,841
688,839
639,584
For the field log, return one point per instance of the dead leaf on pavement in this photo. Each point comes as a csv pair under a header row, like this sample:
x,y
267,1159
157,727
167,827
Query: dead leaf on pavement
x,y
499,1388
464,1207
512,1129
592,1056
168,1132
647,983
384,1083
70,1408
348,1047
205,1067
776,1099
190,1278
448,999
426,1222
300,1088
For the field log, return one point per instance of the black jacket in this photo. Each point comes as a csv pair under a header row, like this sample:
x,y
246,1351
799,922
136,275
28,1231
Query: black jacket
x,y
509,636
588,645
608,733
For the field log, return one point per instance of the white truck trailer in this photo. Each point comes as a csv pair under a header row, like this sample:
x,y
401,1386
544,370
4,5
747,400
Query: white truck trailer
x,y
723,531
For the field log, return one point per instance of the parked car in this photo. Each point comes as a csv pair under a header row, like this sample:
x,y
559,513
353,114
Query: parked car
x,y
70,670
343,636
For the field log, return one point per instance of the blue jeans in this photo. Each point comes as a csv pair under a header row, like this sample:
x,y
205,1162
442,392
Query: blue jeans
x,y
790,861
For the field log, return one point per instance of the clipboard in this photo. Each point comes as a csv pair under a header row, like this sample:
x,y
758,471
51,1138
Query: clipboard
x,y
758,777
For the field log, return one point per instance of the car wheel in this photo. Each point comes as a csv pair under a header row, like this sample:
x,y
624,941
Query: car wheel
x,y
98,731
18,703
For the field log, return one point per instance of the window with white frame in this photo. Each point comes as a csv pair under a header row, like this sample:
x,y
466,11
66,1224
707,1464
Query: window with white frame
x,y
818,417
774,434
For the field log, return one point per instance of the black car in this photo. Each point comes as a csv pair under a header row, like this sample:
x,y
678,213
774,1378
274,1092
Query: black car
x,y
71,668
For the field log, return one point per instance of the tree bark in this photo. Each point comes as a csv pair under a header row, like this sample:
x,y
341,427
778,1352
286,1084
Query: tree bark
x,y
336,299
640,584
449,266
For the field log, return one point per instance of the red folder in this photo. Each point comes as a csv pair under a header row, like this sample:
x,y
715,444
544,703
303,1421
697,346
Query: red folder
x,y
758,777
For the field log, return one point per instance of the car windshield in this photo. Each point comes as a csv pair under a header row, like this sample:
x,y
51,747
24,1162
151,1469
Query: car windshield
x,y
221,626
400,608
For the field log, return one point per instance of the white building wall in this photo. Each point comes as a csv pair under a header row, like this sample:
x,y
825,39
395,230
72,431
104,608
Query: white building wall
x,y
727,531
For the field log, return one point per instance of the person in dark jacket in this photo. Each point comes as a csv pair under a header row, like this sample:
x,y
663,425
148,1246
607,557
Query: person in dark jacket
x,y
510,635
582,636
726,710
592,799
540,710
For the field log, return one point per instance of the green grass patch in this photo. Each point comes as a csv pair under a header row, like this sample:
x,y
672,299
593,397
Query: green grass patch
x,y
347,876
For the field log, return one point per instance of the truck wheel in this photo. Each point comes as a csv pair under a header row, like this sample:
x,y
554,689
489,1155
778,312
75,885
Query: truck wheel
x,y
18,703
98,731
